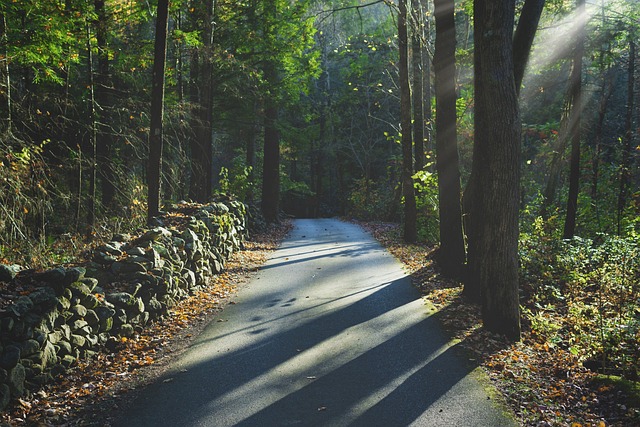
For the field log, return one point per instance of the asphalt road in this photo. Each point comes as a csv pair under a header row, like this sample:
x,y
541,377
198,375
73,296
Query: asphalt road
x,y
330,332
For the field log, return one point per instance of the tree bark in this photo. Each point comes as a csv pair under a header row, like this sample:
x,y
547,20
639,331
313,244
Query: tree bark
x,y
271,162
523,38
496,163
451,256
5,77
574,125
157,106
93,137
417,82
410,233
104,101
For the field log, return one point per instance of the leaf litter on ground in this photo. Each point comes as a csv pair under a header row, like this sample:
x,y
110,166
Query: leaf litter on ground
x,y
543,384
91,393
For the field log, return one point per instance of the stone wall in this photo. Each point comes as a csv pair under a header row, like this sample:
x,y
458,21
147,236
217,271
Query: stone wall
x,y
74,311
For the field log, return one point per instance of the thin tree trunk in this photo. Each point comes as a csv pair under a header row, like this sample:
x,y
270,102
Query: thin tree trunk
x,y
574,126
6,76
426,76
93,137
625,166
103,98
417,82
157,106
410,213
452,252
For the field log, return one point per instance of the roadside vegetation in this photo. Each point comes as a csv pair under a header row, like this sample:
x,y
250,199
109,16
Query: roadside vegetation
x,y
578,362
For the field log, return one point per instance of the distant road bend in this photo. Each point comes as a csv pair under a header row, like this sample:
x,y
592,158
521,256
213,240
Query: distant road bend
x,y
329,332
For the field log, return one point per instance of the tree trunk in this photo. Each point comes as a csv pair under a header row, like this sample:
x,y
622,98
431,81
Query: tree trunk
x,y
417,81
271,161
426,82
103,98
5,120
496,163
452,252
157,106
410,233
574,125
202,99
523,38
625,166
91,212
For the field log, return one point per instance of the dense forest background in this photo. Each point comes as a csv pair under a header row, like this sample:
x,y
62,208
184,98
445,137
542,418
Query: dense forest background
x,y
295,106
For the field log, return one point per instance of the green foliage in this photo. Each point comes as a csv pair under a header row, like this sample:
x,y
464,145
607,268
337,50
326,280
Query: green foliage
x,y
428,224
237,181
584,296
369,201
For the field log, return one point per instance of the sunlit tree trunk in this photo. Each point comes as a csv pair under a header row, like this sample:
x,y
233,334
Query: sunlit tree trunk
x,y
452,252
410,230
574,125
523,38
426,78
157,106
496,167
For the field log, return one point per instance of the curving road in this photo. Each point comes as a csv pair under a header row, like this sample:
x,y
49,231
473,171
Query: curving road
x,y
330,332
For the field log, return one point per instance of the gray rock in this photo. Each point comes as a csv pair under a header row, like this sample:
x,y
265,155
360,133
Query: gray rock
x,y
74,274
29,347
64,348
49,357
92,318
55,275
127,330
10,357
44,297
136,251
5,396
120,299
67,361
9,272
17,375
78,340
124,267
79,310
91,283
21,306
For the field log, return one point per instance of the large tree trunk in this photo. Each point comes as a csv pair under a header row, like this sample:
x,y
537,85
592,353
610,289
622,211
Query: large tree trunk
x,y
157,106
202,99
574,125
496,163
452,252
410,233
